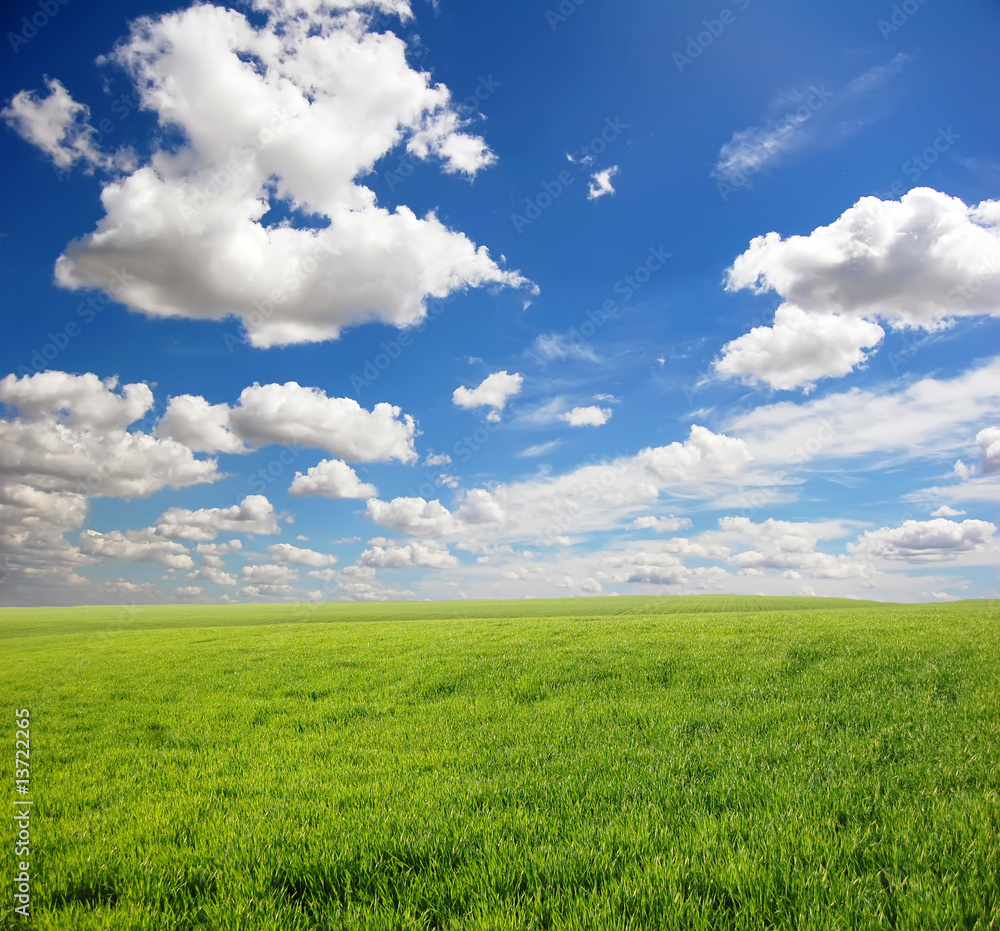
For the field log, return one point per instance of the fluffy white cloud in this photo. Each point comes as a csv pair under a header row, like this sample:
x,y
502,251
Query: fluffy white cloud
x,y
493,391
592,416
600,183
945,511
331,478
412,515
135,546
917,262
286,554
71,435
988,443
322,99
200,426
799,349
662,524
254,515
791,546
926,541
57,124
389,554
269,574
293,414
215,575
360,584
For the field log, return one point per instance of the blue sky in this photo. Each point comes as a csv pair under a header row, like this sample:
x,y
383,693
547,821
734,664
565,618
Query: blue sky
x,y
499,300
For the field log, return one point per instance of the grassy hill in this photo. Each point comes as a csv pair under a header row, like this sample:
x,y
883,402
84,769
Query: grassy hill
x,y
581,763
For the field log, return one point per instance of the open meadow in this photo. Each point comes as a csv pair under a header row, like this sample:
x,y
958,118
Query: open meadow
x,y
688,763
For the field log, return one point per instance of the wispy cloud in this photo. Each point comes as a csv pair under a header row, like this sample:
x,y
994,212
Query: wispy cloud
x,y
751,150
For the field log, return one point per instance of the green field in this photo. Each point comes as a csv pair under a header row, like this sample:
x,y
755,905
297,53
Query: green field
x,y
589,763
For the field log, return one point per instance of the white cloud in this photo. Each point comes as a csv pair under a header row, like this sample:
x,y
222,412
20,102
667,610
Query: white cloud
x,y
600,184
254,515
494,392
71,435
945,511
799,349
592,497
286,554
290,414
662,524
135,546
293,414
322,99
791,546
57,124
214,574
927,541
988,444
550,347
359,583
930,417
415,554
269,574
201,426
918,262
592,416
411,515
438,459
539,449
331,478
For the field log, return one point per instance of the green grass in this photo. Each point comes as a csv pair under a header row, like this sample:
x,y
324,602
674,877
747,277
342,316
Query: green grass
x,y
607,763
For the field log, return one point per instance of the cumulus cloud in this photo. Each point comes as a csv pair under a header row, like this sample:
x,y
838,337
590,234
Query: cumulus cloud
x,y
412,515
269,574
415,554
591,416
135,546
494,392
799,349
71,435
662,524
331,478
919,262
200,426
286,554
945,511
791,546
360,584
323,97
988,444
600,183
57,125
928,541
254,515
